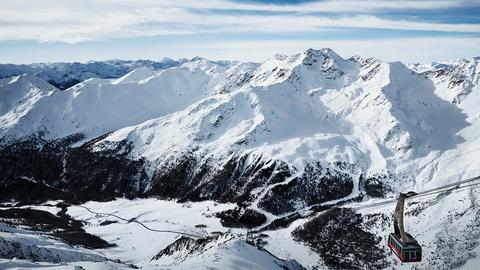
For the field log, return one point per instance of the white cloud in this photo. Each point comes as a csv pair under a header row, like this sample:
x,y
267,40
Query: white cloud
x,y
408,50
334,6
399,49
78,21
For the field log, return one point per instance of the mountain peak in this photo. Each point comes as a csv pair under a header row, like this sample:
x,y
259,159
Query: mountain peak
x,y
324,53
28,81
197,58
305,66
324,57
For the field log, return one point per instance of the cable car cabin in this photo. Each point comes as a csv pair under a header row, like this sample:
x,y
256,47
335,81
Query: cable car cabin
x,y
407,252
400,242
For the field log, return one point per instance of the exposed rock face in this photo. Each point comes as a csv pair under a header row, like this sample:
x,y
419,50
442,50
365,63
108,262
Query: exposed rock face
x,y
184,246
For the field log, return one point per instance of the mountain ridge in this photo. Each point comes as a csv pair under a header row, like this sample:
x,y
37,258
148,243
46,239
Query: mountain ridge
x,y
281,140
313,106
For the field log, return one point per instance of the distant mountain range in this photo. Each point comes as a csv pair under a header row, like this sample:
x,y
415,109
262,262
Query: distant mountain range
x,y
64,75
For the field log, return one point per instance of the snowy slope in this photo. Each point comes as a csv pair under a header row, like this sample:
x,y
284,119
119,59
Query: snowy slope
x,y
18,97
447,227
97,106
23,249
227,251
282,138
316,106
383,119
454,80
376,118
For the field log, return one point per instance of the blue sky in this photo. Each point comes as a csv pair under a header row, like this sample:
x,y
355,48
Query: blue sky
x,y
247,30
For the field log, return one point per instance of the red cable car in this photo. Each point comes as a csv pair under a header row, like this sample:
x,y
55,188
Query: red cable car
x,y
401,243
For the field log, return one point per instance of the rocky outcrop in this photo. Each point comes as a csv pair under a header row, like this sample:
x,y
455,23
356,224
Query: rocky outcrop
x,y
184,246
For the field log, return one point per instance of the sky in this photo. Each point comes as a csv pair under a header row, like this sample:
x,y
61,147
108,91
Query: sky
x,y
247,30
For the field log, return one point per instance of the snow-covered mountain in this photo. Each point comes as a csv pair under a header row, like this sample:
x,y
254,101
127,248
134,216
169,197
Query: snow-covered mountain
x,y
275,138
64,75
96,106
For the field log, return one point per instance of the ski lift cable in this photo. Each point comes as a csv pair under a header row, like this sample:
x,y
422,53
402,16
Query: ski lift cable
x,y
379,204
458,155
448,185
453,186
450,189
450,158
418,197
138,222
